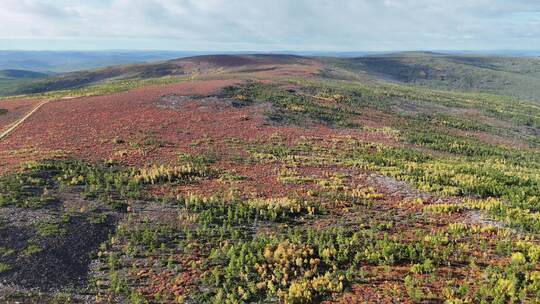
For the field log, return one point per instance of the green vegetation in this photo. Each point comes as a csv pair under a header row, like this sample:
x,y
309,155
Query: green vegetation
x,y
19,190
303,265
11,79
298,109
108,87
340,104
4,267
401,194
45,229
511,76
31,250
105,182
511,176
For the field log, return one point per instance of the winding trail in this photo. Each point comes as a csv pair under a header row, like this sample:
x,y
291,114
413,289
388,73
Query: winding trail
x,y
17,123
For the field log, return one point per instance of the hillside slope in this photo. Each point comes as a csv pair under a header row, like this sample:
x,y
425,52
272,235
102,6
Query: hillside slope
x,y
263,179
20,74
199,65
11,79
512,76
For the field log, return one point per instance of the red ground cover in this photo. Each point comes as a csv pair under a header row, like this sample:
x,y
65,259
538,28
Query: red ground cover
x,y
16,109
132,127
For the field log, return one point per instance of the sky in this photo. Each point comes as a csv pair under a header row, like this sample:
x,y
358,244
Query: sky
x,y
270,25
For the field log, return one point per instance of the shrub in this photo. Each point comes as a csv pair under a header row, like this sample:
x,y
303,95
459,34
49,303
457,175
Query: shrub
x,y
281,207
160,174
4,267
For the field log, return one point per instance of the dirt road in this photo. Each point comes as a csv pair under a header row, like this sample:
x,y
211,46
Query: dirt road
x,y
17,123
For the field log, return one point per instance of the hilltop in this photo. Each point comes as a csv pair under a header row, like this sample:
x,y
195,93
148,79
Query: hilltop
x,y
509,76
199,65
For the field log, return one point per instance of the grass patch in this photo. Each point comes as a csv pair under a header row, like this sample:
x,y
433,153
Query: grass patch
x,y
48,229
33,249
5,267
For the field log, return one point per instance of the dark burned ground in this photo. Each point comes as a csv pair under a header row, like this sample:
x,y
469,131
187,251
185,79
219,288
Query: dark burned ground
x,y
50,249
208,103
63,259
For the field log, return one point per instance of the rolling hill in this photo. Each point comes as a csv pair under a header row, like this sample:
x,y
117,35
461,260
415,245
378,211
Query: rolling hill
x,y
10,79
510,76
20,74
199,65
273,178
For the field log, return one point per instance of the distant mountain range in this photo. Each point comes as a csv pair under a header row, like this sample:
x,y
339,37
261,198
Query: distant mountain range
x,y
68,61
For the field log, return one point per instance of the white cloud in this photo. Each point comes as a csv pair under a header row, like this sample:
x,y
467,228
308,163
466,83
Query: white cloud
x,y
264,25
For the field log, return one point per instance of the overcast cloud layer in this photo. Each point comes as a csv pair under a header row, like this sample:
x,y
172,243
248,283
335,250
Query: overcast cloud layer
x,y
229,25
